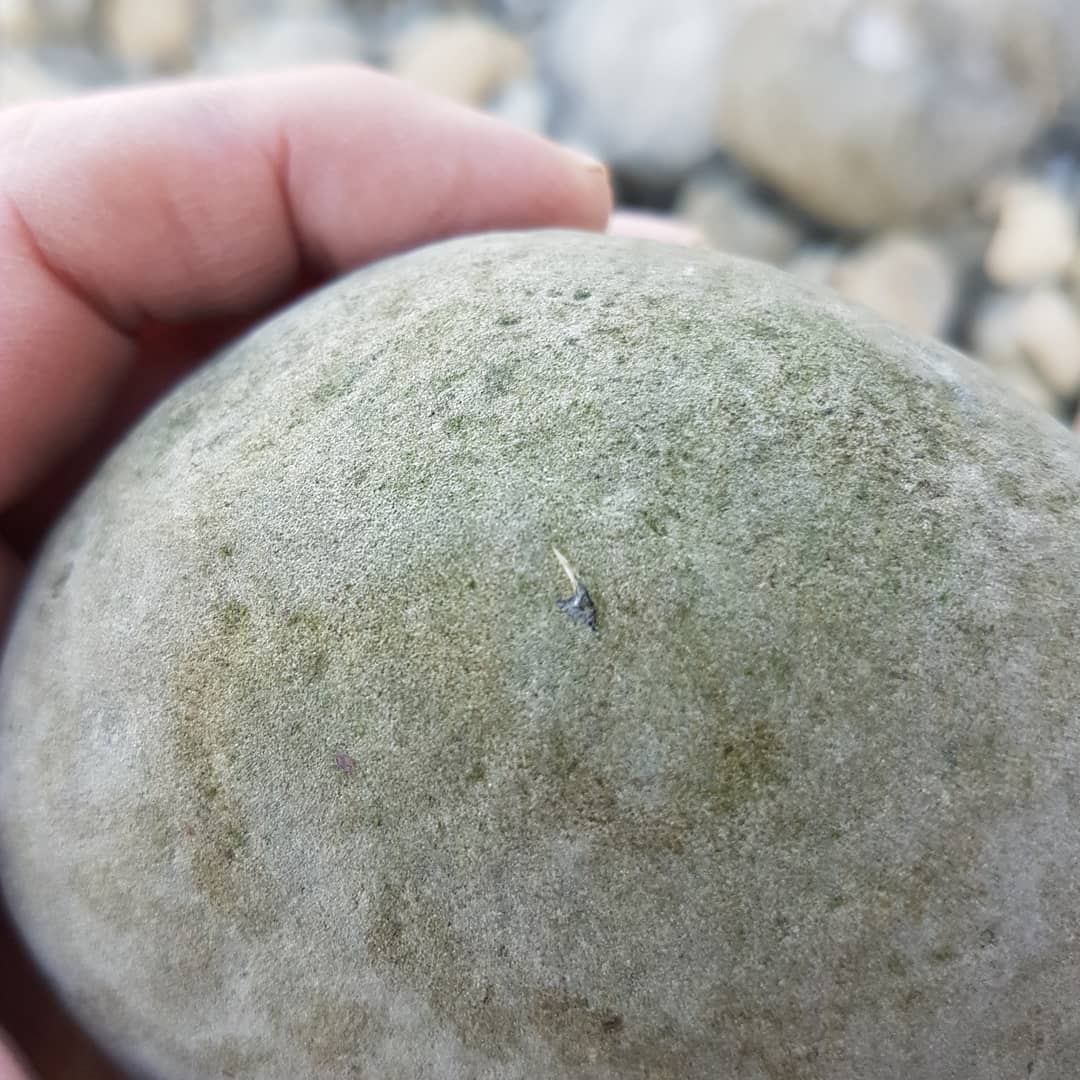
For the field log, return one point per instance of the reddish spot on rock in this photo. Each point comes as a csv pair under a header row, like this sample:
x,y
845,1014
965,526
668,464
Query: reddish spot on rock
x,y
345,763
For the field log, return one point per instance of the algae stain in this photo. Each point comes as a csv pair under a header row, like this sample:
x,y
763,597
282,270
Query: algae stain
x,y
499,378
308,644
336,1032
470,987
654,522
745,764
205,746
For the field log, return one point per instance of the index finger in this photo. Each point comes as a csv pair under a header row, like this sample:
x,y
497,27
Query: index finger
x,y
205,199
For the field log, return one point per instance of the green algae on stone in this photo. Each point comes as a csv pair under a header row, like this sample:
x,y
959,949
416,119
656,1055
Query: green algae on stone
x,y
326,779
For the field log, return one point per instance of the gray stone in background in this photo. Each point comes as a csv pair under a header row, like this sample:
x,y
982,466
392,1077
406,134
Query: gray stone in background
x,y
284,41
305,772
526,103
23,80
730,214
636,82
868,113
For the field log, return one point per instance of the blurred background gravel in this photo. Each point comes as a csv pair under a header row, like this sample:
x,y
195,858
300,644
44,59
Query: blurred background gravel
x,y
920,157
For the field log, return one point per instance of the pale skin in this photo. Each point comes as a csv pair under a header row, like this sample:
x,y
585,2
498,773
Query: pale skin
x,y
141,229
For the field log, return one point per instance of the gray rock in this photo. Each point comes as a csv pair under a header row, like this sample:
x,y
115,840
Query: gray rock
x,y
638,81
525,103
732,218
307,768
869,113
267,45
24,80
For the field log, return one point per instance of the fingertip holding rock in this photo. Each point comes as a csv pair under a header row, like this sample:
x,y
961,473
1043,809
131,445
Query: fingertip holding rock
x,y
11,1065
595,179
648,226
590,164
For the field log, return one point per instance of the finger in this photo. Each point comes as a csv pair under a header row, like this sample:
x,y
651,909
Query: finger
x,y
646,226
207,199
50,1044
10,1067
174,350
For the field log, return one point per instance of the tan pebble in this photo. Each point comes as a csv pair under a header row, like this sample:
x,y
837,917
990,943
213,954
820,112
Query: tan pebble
x,y
159,36
1036,236
19,22
1037,332
462,57
1049,327
902,277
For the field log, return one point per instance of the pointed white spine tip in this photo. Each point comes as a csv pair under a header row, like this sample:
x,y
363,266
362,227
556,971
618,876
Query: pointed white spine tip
x,y
568,570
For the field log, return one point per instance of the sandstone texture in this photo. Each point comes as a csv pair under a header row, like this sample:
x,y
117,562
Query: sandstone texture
x,y
306,771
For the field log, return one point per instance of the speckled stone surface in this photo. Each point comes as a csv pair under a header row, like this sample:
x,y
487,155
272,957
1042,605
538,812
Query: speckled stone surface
x,y
305,772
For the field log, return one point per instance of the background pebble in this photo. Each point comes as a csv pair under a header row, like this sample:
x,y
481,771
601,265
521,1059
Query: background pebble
x,y
1036,235
462,57
904,278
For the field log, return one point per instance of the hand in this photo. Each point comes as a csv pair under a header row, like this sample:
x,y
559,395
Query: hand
x,y
141,229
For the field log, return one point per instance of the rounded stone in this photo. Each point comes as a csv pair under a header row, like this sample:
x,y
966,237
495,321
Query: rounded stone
x,y
315,761
872,114
636,83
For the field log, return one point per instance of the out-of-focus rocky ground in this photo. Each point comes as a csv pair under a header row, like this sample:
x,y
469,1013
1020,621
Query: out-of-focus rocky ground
x,y
921,157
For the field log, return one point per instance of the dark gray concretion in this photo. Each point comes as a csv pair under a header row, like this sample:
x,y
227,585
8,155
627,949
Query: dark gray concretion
x,y
305,771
